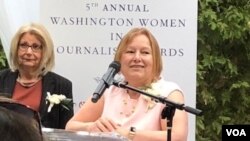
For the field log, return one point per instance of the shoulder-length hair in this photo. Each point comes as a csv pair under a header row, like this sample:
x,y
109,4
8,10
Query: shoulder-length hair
x,y
127,39
48,59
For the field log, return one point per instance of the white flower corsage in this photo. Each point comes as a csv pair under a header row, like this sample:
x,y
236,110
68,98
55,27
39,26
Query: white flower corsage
x,y
153,89
58,99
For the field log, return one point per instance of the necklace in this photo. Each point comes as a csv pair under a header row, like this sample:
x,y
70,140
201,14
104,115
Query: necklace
x,y
129,105
27,83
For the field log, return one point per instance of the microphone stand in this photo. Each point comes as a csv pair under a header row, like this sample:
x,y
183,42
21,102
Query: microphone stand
x,y
169,109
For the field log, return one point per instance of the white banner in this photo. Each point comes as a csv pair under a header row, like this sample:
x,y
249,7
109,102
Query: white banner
x,y
86,33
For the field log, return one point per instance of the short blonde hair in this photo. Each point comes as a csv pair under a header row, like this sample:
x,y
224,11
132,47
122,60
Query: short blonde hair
x,y
157,60
48,59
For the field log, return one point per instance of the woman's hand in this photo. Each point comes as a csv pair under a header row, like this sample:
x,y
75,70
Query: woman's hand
x,y
103,125
122,131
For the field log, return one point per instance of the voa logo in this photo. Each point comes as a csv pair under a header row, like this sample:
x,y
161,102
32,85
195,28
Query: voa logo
x,y
236,132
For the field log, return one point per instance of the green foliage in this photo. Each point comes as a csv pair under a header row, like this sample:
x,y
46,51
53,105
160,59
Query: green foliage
x,y
3,59
223,76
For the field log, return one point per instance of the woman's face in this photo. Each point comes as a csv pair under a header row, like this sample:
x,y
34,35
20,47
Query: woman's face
x,y
137,61
29,51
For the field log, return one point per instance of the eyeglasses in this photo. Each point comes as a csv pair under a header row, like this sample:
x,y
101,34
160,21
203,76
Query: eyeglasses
x,y
34,47
22,109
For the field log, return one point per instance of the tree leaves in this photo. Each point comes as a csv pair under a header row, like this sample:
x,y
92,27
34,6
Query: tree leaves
x,y
223,75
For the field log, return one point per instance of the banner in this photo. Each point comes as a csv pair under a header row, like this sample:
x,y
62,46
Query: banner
x,y
86,33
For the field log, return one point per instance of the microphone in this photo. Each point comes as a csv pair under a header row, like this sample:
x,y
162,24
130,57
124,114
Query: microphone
x,y
106,81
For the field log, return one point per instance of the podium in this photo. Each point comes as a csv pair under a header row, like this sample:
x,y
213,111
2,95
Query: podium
x,y
63,135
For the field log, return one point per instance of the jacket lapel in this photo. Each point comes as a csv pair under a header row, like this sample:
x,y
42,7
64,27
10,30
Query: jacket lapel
x,y
47,86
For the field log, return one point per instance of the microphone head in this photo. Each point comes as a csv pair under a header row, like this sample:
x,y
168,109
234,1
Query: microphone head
x,y
116,65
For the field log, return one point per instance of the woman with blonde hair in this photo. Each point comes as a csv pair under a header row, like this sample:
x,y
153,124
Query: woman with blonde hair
x,y
30,79
127,112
